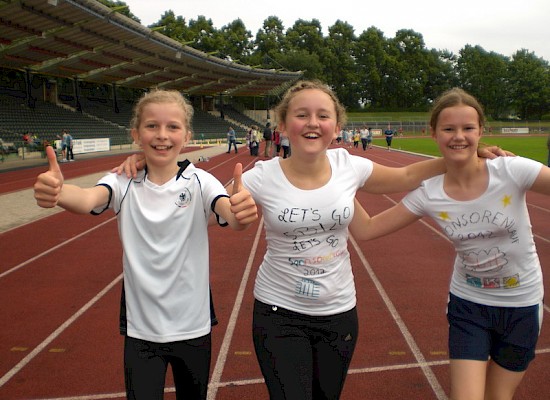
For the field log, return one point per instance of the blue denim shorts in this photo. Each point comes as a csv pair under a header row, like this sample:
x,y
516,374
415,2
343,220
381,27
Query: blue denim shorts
x,y
508,335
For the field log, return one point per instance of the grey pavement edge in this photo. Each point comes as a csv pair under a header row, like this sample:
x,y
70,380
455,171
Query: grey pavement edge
x,y
19,207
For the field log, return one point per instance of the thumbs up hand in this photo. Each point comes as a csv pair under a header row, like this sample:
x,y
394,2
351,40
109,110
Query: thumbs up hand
x,y
48,185
237,178
243,205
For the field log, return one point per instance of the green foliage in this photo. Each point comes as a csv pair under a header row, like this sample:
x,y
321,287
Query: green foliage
x,y
527,72
368,70
120,7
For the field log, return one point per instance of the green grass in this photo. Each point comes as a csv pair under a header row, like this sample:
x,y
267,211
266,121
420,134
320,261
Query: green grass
x,y
533,147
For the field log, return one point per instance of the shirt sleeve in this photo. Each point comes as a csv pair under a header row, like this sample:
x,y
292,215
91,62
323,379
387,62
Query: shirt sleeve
x,y
416,200
252,180
110,182
523,171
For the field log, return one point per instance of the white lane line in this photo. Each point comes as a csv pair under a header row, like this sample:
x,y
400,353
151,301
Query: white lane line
x,y
30,260
430,376
56,333
224,350
246,382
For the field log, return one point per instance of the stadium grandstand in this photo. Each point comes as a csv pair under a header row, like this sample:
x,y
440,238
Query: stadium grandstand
x,y
79,65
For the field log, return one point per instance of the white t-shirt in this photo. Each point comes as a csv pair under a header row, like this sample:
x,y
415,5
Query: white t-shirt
x,y
164,236
307,267
496,261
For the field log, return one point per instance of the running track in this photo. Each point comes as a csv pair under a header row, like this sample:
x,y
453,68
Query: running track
x,y
60,281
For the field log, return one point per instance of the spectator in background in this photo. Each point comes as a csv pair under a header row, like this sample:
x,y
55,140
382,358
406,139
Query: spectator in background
x,y
369,138
356,138
69,146
285,144
276,142
63,145
363,132
388,133
231,139
26,138
268,138
254,141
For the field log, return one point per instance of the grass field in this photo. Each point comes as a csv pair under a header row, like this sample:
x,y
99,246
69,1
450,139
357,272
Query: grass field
x,y
533,147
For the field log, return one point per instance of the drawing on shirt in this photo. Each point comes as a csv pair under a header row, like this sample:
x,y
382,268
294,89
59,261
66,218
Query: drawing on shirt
x,y
184,199
307,288
492,260
508,282
488,262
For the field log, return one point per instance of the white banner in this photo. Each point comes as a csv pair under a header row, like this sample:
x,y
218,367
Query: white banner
x,y
515,130
81,146
376,132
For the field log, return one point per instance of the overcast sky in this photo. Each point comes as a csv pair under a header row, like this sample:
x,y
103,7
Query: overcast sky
x,y
502,26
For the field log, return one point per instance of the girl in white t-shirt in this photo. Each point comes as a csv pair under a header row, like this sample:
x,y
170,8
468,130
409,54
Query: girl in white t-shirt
x,y
496,292
305,320
163,214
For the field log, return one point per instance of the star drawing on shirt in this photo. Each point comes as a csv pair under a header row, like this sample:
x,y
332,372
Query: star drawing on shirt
x,y
506,200
444,215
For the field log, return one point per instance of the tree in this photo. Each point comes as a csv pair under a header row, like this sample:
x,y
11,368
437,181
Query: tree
x,y
529,84
120,7
384,73
203,35
172,26
340,65
410,68
370,55
305,49
302,60
270,39
235,42
484,75
441,74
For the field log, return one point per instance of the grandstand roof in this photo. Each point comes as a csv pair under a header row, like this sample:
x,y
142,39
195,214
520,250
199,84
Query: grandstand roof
x,y
86,40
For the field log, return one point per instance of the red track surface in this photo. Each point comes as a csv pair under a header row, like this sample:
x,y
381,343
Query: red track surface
x,y
60,288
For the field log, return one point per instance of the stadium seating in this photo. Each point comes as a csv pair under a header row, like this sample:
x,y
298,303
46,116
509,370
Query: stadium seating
x,y
97,119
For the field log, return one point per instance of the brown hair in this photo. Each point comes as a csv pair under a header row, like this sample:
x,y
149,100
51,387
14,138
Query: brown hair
x,y
454,97
282,108
157,96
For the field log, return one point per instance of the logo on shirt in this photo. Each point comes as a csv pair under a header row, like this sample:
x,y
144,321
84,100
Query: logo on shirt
x,y
307,288
184,199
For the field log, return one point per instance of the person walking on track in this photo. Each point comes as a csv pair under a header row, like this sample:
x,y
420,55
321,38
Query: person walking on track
x,y
163,215
495,303
305,321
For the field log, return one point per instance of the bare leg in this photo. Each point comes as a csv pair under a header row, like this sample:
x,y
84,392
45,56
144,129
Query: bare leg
x,y
501,383
468,379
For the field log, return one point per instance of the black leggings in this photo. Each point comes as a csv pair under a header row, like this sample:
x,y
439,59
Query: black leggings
x,y
303,357
145,365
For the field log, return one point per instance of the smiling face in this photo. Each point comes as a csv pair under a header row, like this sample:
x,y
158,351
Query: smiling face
x,y
162,132
311,121
457,132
